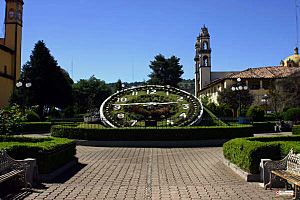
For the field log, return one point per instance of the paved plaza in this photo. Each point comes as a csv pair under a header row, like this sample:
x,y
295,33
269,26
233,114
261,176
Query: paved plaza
x,y
150,173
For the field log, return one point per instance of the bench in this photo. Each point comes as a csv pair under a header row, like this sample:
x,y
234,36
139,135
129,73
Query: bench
x,y
287,170
10,168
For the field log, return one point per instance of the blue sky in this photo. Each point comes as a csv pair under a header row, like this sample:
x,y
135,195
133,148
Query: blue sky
x,y
116,39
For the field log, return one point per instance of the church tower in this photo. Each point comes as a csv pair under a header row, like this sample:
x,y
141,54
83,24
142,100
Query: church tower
x,y
202,61
13,34
10,50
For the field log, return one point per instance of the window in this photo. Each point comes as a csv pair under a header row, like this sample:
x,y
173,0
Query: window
x,y
205,61
205,45
254,84
266,84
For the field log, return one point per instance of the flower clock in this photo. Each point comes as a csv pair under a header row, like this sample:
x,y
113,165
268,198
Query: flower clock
x,y
151,105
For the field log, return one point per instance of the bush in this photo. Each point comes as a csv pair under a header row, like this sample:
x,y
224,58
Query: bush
x,y
35,127
271,117
292,114
246,153
257,113
263,127
40,127
296,130
51,153
184,133
222,110
10,119
32,116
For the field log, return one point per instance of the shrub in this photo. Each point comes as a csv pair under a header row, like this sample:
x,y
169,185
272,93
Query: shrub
x,y
247,152
51,153
222,110
35,127
184,133
262,127
32,116
40,127
296,130
10,119
256,112
271,117
292,114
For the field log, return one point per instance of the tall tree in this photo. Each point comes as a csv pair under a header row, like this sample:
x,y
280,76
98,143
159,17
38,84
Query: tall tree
x,y
234,99
118,85
51,85
89,94
289,90
165,71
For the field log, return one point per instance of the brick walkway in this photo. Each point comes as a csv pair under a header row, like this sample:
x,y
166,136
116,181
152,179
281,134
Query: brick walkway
x,y
151,173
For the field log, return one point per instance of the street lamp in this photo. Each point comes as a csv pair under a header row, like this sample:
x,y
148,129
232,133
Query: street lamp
x,y
22,86
264,99
238,87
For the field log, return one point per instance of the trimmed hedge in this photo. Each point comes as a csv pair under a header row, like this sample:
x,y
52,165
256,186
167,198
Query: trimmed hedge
x,y
184,133
247,152
296,130
263,127
39,127
51,153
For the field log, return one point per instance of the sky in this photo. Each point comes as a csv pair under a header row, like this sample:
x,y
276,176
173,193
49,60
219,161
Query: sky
x,y
117,39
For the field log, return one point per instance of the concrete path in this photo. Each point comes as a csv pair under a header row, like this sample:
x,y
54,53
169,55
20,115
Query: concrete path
x,y
150,173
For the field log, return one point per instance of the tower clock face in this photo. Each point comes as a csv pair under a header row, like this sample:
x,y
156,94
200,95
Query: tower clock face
x,y
151,105
11,14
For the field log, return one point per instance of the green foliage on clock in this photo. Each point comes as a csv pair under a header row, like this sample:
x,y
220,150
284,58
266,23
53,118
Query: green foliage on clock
x,y
165,105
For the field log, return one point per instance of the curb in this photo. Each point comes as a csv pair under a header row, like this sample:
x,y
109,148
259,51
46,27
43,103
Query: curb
x,y
245,175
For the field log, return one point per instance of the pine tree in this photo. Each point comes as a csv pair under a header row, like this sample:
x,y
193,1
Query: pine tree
x,y
51,85
166,71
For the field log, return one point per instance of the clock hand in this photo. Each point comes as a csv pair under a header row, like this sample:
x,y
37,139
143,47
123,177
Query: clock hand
x,y
146,103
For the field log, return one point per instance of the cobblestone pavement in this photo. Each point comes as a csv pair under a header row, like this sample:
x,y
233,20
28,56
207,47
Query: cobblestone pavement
x,y
151,173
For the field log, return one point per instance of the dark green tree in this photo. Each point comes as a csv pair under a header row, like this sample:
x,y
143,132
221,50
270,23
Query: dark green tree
x,y
165,71
235,98
118,85
289,90
51,85
89,94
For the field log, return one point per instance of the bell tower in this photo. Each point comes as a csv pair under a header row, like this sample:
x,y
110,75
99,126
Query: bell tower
x,y
13,35
202,61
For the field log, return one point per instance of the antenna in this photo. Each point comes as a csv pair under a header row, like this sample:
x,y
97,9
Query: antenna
x,y
297,30
132,70
72,67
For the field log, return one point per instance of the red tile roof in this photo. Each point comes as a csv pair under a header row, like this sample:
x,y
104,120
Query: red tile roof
x,y
260,73
266,72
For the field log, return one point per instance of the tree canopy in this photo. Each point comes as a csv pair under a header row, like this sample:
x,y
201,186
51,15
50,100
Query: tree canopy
x,y
89,94
165,71
51,85
233,98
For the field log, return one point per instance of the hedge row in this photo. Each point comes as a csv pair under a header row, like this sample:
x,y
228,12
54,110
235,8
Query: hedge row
x,y
188,133
296,130
263,127
51,153
38,127
247,152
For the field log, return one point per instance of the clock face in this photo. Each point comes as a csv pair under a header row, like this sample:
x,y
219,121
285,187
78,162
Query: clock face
x,y
20,15
11,14
151,105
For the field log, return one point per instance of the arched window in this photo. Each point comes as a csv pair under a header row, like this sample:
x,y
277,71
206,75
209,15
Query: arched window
x,y
205,45
205,61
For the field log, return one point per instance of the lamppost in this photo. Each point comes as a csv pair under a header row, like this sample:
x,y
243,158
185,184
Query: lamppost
x,y
238,87
22,86
264,99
